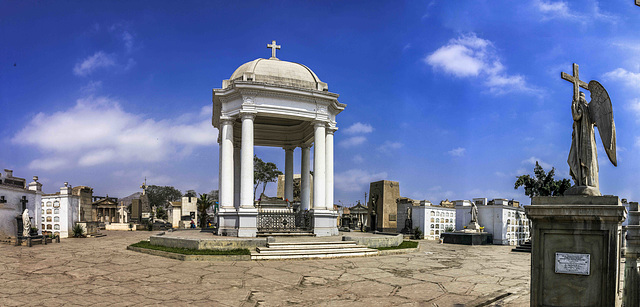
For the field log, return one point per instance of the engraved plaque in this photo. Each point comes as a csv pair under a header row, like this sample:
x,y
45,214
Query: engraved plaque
x,y
570,263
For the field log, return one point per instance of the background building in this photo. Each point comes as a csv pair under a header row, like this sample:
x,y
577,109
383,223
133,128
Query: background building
x,y
15,196
60,211
503,218
433,220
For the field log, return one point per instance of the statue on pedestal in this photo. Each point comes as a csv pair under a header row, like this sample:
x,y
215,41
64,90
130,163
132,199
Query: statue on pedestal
x,y
583,156
26,224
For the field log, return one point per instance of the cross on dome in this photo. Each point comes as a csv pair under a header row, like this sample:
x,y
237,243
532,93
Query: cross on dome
x,y
273,47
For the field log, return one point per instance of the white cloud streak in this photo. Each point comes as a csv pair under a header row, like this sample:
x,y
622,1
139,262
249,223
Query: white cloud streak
x,y
355,180
457,152
353,141
98,131
359,128
469,56
91,63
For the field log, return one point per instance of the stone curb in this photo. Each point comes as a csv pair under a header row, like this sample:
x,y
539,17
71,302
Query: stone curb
x,y
399,251
190,257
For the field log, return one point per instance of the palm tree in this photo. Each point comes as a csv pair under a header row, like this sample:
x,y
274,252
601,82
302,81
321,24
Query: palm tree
x,y
203,203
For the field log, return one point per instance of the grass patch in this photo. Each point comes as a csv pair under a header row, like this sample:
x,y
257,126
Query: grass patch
x,y
189,251
404,244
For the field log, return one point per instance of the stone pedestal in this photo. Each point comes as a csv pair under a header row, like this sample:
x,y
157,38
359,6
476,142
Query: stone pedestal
x,y
228,222
631,292
325,222
247,222
467,238
576,250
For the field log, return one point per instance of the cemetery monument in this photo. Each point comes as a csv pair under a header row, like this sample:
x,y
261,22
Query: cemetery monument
x,y
576,237
270,102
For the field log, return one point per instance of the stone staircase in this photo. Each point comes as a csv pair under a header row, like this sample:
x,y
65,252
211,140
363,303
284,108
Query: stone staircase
x,y
524,248
311,250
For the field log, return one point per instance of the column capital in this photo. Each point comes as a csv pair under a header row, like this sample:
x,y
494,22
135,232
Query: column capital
x,y
305,146
247,115
289,148
331,130
319,123
226,120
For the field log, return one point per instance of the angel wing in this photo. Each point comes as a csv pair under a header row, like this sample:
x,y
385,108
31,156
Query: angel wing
x,y
601,114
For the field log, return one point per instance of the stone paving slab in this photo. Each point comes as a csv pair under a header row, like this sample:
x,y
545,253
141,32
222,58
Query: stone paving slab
x,y
101,271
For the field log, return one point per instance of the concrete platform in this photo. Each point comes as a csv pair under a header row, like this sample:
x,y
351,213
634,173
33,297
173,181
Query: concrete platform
x,y
478,238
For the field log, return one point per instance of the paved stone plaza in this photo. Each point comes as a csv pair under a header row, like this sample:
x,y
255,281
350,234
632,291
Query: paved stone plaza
x,y
100,271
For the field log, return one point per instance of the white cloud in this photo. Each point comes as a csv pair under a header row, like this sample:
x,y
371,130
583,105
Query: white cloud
x,y
354,180
127,38
91,87
471,56
358,159
561,10
533,160
353,141
359,128
457,152
48,163
97,131
90,64
388,146
630,79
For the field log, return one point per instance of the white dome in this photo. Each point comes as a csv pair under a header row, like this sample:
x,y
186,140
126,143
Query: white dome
x,y
277,72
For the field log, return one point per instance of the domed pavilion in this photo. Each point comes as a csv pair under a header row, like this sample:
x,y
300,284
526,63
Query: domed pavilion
x,y
270,102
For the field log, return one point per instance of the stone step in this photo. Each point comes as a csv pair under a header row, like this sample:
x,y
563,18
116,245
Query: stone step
x,y
310,246
286,234
310,250
313,254
311,243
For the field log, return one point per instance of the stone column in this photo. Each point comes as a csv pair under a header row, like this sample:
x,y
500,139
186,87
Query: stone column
x,y
247,213
305,178
631,295
288,173
227,216
329,168
236,175
246,164
319,167
226,165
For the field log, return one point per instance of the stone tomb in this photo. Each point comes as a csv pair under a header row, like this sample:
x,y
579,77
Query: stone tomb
x,y
576,250
383,208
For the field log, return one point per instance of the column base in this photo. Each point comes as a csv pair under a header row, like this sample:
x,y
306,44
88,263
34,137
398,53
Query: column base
x,y
247,222
227,222
325,222
576,250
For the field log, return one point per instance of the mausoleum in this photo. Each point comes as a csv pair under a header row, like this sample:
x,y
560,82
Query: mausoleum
x,y
270,102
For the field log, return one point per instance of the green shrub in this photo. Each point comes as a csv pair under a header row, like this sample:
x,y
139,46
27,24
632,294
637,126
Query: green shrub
x,y
189,251
417,234
78,231
449,229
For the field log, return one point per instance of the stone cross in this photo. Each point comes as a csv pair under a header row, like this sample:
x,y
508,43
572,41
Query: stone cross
x,y
273,47
577,83
144,186
24,202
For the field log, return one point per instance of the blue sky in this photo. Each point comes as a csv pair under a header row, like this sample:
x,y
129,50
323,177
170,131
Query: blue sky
x,y
453,99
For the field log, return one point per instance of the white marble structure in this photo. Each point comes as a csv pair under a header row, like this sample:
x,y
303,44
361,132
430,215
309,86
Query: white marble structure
x,y
60,211
508,224
15,196
269,102
433,220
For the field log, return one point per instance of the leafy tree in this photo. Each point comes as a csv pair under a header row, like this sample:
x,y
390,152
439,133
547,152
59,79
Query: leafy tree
x,y
160,196
263,173
161,213
203,203
543,184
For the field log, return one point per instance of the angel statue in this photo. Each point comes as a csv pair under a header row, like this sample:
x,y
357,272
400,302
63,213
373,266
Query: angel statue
x,y
583,156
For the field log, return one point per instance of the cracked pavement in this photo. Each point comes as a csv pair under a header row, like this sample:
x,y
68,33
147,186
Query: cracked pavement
x,y
101,272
